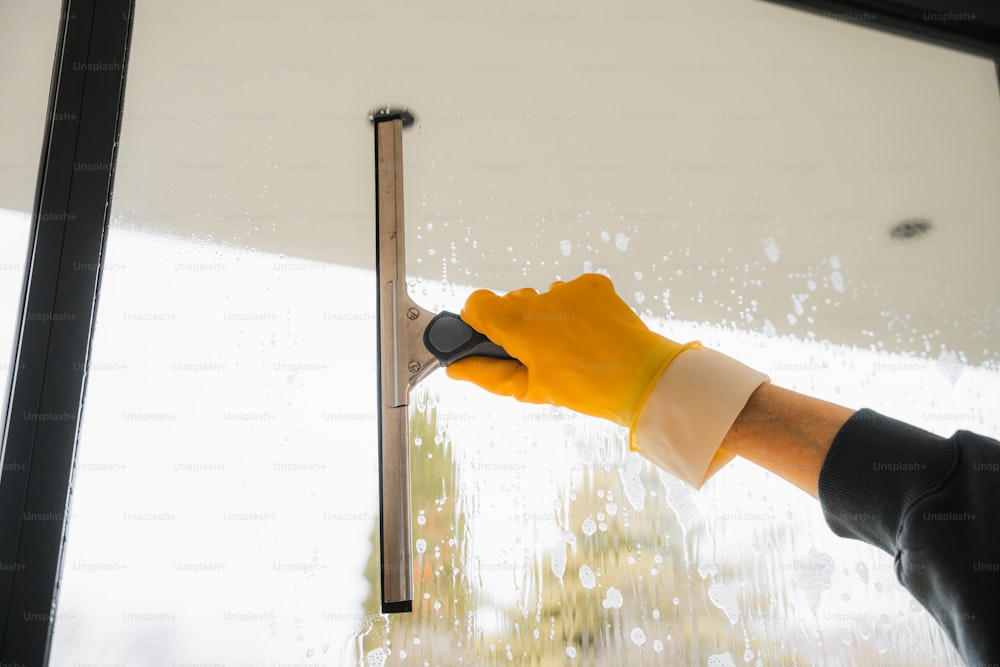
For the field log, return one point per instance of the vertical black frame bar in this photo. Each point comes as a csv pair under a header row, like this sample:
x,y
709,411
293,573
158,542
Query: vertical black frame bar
x,y
71,211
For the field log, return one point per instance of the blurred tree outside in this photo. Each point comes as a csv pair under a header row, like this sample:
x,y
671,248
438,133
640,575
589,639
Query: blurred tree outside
x,y
640,576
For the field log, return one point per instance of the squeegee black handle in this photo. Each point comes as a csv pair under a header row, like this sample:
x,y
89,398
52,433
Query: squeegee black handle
x,y
449,339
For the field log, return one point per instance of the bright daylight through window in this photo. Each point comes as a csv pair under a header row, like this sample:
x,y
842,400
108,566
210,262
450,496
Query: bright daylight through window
x,y
536,531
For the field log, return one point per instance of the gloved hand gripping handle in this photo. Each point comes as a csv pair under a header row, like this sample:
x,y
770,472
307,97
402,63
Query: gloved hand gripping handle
x,y
449,339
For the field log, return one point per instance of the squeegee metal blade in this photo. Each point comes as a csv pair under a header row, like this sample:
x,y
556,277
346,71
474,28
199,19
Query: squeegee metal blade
x,y
394,461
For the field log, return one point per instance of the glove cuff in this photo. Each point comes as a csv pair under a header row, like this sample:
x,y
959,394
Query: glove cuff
x,y
646,376
689,410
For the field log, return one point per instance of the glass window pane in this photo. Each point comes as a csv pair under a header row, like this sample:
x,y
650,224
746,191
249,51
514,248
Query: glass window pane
x,y
225,503
225,491
27,46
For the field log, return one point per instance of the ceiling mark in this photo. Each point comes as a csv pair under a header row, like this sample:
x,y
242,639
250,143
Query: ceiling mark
x,y
909,229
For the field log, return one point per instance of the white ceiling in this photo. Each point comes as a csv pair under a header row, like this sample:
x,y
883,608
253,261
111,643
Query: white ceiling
x,y
746,159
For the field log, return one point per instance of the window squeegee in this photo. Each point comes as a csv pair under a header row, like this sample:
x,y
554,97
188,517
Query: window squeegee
x,y
412,342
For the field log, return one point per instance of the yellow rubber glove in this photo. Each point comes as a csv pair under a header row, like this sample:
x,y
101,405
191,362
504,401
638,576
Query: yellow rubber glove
x,y
579,346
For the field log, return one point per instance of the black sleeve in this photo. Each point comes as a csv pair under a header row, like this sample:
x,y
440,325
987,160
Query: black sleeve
x,y
933,504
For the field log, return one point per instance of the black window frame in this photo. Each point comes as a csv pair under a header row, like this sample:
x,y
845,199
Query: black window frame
x,y
69,226
971,26
62,274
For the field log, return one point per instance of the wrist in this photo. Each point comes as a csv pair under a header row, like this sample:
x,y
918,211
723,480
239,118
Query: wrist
x,y
690,409
787,433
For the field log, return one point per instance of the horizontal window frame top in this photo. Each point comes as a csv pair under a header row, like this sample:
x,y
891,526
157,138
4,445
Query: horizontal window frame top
x,y
55,325
971,26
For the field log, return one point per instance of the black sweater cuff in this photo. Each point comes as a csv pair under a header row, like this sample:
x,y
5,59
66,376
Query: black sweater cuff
x,y
877,467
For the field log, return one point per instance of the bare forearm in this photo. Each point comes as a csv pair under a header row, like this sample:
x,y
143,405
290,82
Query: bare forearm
x,y
787,433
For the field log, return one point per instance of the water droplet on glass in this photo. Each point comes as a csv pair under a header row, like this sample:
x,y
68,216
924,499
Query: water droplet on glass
x,y
771,249
720,660
635,492
613,598
679,499
558,557
837,281
812,575
722,597
376,657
